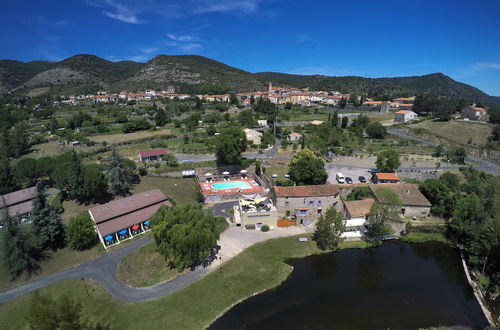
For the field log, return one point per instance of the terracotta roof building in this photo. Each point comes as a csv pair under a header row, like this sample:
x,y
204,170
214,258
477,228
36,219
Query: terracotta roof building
x,y
151,154
385,178
306,203
18,202
121,218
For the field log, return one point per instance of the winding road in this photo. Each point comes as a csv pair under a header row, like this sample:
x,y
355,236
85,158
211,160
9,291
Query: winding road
x,y
103,271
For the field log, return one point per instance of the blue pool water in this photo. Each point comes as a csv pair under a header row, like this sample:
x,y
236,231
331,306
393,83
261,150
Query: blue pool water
x,y
231,185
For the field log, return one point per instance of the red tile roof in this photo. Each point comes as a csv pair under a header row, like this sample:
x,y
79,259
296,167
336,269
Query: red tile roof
x,y
387,176
150,153
303,191
403,112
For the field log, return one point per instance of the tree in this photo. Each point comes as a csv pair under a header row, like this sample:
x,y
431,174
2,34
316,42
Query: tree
x,y
359,193
18,140
211,130
329,228
160,118
342,103
388,160
382,213
48,226
307,169
80,232
26,171
229,144
233,99
75,181
376,130
6,182
186,236
335,119
20,248
345,121
246,118
45,313
94,182
457,155
119,181
495,133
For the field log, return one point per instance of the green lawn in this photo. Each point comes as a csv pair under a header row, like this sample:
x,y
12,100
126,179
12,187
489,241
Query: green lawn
x,y
456,132
145,267
182,191
257,269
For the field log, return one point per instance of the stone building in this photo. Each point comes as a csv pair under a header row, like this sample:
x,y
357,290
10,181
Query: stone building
x,y
413,202
306,203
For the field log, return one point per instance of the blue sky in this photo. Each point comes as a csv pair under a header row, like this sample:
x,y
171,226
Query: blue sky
x,y
370,38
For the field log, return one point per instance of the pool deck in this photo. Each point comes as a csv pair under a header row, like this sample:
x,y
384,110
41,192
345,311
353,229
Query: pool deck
x,y
254,188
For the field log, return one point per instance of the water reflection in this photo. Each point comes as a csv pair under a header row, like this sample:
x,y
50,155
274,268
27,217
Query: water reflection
x,y
397,286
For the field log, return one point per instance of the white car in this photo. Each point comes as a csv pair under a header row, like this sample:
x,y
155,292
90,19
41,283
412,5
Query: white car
x,y
340,178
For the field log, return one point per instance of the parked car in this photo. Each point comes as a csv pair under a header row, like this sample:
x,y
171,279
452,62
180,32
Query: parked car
x,y
340,178
348,180
362,179
261,151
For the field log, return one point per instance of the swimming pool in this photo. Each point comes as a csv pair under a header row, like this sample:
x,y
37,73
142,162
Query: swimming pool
x,y
231,185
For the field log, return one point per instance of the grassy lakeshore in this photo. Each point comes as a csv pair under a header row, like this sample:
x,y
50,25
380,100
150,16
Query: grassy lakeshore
x,y
257,269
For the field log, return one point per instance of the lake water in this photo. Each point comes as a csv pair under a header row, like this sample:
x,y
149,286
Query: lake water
x,y
397,286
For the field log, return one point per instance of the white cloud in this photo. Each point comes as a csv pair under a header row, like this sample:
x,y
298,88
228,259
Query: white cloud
x,y
223,6
118,10
138,58
486,65
191,48
181,38
150,50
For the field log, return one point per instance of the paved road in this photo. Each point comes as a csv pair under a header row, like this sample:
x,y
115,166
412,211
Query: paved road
x,y
485,165
103,270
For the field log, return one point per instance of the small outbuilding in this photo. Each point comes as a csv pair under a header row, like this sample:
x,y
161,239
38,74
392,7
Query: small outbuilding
x,y
385,178
150,155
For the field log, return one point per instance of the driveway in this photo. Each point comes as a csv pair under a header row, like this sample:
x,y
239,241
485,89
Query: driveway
x,y
103,269
353,172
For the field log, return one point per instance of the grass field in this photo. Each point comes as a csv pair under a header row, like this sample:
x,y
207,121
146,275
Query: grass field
x,y
124,138
145,267
181,190
457,132
257,269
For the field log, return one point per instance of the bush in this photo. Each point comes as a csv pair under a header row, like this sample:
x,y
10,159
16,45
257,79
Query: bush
x,y
264,228
249,226
142,171
80,232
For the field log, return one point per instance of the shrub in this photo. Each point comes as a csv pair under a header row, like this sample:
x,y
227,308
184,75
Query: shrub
x,y
80,232
142,171
264,228
249,226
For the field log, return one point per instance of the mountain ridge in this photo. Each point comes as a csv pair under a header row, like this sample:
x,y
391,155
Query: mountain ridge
x,y
84,72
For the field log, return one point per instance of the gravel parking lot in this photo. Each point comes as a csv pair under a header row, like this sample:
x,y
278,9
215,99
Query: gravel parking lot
x,y
347,171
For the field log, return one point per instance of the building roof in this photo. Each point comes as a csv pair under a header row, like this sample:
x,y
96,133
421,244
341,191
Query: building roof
x,y
407,193
119,207
387,176
317,122
403,112
294,134
404,99
150,153
17,197
357,209
479,109
307,191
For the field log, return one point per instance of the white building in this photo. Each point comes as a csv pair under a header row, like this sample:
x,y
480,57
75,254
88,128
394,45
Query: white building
x,y
404,115
253,136
294,137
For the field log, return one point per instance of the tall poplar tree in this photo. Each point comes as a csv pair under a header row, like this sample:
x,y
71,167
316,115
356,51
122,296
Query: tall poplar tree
x,y
119,180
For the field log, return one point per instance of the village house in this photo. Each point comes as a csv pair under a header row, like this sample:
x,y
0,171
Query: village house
x,y
306,203
258,211
385,178
402,100
262,123
18,203
253,136
403,116
355,217
123,218
149,155
413,202
474,113
294,137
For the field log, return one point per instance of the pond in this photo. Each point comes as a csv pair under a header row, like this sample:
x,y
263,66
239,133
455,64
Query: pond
x,y
397,286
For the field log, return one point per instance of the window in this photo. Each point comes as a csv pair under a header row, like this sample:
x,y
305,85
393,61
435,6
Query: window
x,y
287,203
320,210
311,203
319,203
